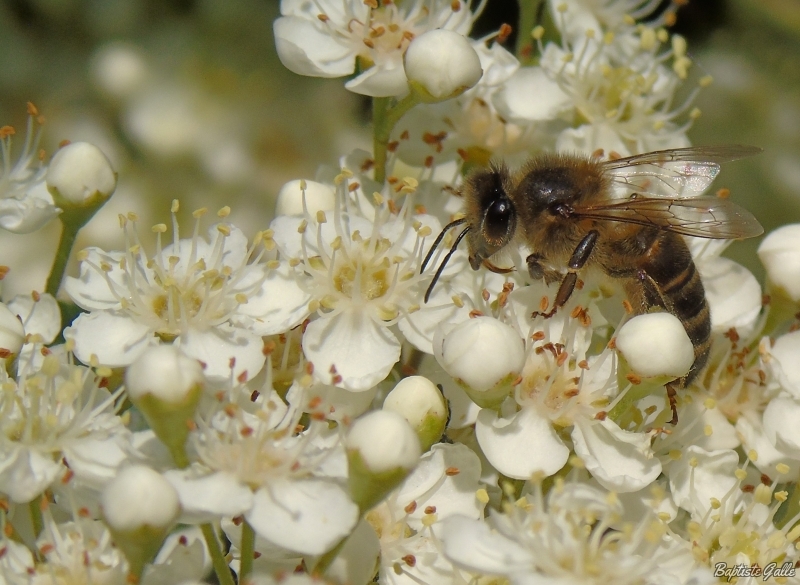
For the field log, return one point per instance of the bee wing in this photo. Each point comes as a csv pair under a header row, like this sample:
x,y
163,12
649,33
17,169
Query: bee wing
x,y
703,217
679,172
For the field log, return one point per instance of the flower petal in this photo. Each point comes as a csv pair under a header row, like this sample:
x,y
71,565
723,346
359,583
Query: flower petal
x,y
115,338
619,460
362,351
308,516
218,347
471,544
506,442
206,497
279,305
700,475
306,48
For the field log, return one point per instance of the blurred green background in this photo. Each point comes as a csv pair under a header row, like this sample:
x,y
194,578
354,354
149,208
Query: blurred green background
x,y
189,100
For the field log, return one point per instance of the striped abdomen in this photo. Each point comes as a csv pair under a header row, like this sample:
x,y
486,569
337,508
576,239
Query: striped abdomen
x,y
667,277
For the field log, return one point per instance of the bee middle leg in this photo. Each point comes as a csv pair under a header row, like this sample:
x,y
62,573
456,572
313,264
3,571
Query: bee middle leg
x,y
579,258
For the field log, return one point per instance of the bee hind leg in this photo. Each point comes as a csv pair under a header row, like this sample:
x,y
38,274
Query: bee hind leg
x,y
579,257
672,396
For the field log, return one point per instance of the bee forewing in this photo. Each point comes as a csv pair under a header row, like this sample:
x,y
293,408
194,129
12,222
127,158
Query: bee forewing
x,y
675,173
702,217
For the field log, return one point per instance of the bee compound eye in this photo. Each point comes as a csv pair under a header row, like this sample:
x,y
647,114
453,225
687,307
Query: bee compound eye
x,y
498,218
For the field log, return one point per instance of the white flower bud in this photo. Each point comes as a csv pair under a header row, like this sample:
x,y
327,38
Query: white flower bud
x,y
139,496
12,334
139,507
786,364
319,197
780,255
421,403
479,352
385,441
656,344
164,372
441,64
382,449
165,385
80,175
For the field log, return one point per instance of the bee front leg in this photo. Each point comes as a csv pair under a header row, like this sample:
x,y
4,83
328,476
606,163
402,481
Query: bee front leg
x,y
579,258
539,272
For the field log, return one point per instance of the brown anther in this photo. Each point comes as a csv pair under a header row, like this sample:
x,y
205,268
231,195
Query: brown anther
x,y
315,402
583,364
748,488
232,363
64,143
410,560
762,378
67,476
84,512
299,428
430,509
269,347
576,312
317,416
103,383
392,146
230,410
246,431
765,479
612,343
309,369
544,303
367,165
451,471
485,295
614,155
599,153
369,43
32,109
463,154
254,395
562,357
47,548
628,306
420,209
4,353
517,381
475,313
242,378
435,140
6,131
391,179
765,300
408,35
455,6
633,379
428,161
45,351
353,187
579,284
411,507
376,32
504,32
723,193
404,135
3,271
237,520
601,415
392,205
572,393
538,335
670,19
371,3
337,379
323,17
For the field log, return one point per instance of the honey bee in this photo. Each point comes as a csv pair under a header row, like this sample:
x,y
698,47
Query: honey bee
x,y
624,216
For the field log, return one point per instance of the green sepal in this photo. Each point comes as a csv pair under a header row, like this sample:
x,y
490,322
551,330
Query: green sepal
x,y
368,488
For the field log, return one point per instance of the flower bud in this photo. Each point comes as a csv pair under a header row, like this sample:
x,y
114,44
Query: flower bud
x,y
166,386
441,64
139,507
80,175
382,449
656,344
484,356
780,255
421,403
319,197
12,334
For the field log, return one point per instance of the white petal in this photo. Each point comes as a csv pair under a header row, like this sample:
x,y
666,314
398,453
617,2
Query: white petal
x,y
42,316
357,559
29,213
308,49
206,497
780,424
183,558
589,137
280,304
693,486
472,545
785,365
506,442
619,460
732,292
385,80
362,351
92,290
754,438
531,96
308,516
25,473
114,337
96,459
217,347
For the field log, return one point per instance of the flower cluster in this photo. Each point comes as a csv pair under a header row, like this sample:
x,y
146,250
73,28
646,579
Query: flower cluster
x,y
354,395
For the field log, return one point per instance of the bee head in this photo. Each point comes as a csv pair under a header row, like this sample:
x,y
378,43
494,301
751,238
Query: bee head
x,y
491,215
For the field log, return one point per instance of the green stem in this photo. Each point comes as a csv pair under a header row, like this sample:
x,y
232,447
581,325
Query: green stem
x,y
247,551
69,233
217,558
529,14
384,118
36,516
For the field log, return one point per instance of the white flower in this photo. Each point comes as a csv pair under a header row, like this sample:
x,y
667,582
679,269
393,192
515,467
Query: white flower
x,y
422,404
206,296
384,441
39,313
57,421
12,333
330,39
358,269
25,204
441,64
574,535
251,462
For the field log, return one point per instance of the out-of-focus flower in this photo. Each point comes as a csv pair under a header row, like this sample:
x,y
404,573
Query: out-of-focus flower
x,y
25,203
332,39
780,255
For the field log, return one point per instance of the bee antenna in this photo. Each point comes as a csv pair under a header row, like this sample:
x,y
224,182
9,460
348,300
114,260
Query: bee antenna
x,y
438,241
446,258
